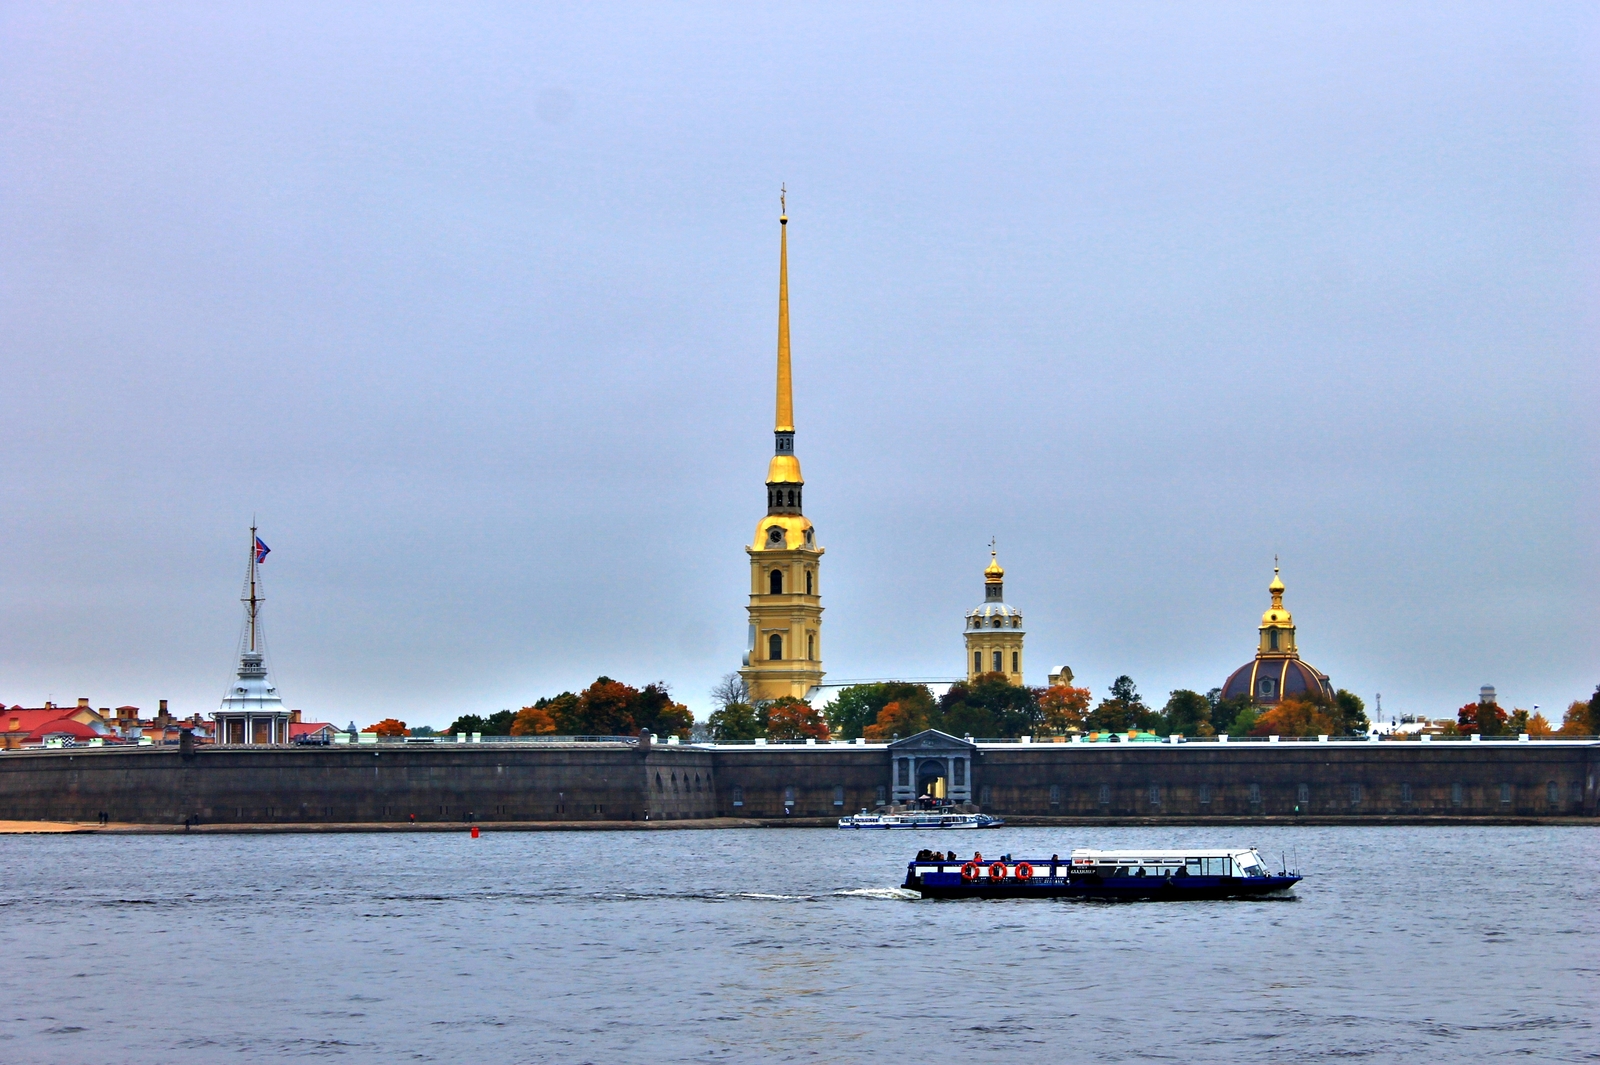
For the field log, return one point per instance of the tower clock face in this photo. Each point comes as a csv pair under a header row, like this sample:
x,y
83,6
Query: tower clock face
x,y
774,535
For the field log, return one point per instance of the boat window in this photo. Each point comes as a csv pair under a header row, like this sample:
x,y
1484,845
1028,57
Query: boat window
x,y
1194,866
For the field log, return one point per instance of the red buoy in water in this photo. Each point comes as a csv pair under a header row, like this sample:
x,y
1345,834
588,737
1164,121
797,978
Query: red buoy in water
x,y
474,831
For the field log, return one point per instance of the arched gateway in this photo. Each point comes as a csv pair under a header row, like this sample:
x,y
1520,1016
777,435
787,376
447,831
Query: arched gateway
x,y
931,761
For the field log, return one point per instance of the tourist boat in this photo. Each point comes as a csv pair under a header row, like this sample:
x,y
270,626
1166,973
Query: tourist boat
x,y
1097,874
920,819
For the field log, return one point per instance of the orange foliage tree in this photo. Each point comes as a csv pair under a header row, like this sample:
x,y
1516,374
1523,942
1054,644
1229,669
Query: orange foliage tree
x,y
795,719
533,721
896,719
1485,718
1064,708
1539,725
1295,717
605,708
389,727
1580,718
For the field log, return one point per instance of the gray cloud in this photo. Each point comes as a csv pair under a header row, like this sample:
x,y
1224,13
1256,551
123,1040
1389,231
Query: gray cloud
x,y
475,308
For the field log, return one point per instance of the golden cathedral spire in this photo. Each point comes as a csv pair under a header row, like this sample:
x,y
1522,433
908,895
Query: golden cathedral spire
x,y
784,659
785,419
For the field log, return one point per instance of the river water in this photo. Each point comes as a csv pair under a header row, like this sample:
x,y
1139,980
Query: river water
x,y
1405,944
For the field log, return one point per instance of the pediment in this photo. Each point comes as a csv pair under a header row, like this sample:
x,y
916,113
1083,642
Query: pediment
x,y
932,740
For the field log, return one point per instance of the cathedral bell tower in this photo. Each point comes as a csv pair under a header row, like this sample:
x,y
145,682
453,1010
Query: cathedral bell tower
x,y
994,630
785,655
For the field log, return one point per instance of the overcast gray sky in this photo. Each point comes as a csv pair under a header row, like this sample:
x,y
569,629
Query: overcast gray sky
x,y
475,307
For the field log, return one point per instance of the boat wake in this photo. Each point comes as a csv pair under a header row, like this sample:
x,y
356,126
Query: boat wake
x,y
892,894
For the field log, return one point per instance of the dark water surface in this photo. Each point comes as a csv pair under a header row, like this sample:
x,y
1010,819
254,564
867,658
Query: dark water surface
x,y
1406,944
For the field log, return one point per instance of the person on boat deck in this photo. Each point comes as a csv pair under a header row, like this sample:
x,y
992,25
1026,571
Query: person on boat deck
x,y
1140,872
951,856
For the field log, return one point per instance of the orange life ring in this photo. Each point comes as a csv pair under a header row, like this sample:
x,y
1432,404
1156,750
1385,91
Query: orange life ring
x,y
997,871
1024,871
969,872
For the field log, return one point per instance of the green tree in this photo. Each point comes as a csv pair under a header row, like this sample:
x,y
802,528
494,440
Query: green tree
x,y
1188,713
988,706
1350,713
654,709
735,723
859,705
1244,722
469,723
1225,712
563,710
1123,710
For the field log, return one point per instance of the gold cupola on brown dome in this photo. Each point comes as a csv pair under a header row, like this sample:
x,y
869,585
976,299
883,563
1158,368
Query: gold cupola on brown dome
x,y
1277,671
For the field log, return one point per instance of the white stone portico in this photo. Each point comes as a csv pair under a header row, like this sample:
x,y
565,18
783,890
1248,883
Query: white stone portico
x,y
916,761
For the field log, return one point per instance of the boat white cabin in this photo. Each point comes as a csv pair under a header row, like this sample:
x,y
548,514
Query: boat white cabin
x,y
1205,862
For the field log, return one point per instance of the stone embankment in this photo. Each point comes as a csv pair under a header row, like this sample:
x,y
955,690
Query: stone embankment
x,y
544,786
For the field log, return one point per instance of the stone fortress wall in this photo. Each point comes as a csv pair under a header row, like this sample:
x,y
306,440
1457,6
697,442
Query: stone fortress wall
x,y
577,782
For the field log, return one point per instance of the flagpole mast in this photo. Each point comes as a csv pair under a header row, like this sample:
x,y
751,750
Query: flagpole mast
x,y
253,599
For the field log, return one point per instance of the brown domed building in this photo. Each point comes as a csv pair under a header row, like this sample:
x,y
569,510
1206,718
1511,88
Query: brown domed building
x,y
1277,671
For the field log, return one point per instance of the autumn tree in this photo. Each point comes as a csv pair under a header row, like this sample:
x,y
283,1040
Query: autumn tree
x,y
388,727
795,719
605,708
1063,708
1539,725
1579,719
1517,723
1486,719
533,721
897,720
1295,717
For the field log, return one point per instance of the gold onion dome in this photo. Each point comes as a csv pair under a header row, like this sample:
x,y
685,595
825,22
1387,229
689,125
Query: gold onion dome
x,y
994,571
1276,614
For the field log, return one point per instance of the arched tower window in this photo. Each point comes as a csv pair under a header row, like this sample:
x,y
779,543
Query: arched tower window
x,y
977,661
775,647
811,646
1272,636
997,661
1016,661
775,582
808,582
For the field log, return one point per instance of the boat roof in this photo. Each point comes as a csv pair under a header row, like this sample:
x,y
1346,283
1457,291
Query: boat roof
x,y
1161,855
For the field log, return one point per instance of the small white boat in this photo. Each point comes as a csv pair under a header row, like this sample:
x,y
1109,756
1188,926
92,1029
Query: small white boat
x,y
920,819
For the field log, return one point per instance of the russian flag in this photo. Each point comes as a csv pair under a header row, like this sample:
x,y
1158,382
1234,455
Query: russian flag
x,y
262,550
